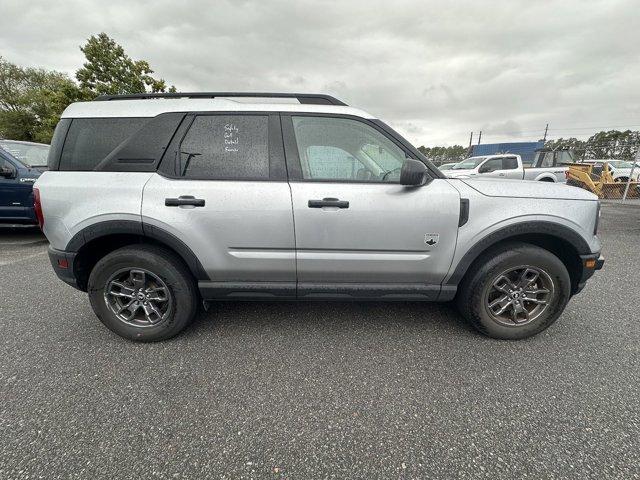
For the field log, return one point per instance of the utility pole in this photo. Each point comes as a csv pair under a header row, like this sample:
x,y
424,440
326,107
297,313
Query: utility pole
x,y
479,137
546,129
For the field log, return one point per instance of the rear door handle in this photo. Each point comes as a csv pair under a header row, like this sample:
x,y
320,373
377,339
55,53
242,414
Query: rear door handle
x,y
184,200
328,202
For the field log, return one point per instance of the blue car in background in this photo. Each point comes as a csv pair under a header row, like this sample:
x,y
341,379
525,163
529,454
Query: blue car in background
x,y
21,163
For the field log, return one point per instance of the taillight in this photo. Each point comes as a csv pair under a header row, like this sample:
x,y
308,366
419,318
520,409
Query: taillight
x,y
37,206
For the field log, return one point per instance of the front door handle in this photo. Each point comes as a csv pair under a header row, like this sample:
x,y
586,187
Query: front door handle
x,y
184,200
328,202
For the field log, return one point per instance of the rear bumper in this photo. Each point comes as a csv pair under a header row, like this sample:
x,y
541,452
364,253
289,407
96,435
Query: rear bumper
x,y
590,263
62,263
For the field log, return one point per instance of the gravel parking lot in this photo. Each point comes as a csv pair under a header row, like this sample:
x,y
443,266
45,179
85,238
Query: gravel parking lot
x,y
320,390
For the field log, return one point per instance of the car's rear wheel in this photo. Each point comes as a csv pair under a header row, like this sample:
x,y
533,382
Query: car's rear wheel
x,y
514,291
143,293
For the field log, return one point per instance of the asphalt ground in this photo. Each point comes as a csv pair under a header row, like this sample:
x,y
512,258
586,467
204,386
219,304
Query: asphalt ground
x,y
320,390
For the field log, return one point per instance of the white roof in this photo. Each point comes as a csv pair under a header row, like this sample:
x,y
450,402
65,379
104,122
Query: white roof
x,y
156,106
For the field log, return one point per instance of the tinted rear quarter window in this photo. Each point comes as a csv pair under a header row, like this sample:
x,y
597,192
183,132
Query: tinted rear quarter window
x,y
226,147
90,140
57,142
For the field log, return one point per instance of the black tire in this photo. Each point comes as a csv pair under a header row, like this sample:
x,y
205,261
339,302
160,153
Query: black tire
x,y
180,305
475,291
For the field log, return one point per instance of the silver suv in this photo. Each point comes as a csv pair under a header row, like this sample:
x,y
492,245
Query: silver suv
x,y
155,203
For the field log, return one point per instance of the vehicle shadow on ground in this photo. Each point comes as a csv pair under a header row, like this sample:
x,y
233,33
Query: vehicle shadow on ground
x,y
21,234
335,315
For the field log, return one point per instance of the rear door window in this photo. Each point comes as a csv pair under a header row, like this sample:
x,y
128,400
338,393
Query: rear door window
x,y
90,140
548,160
491,165
225,147
509,163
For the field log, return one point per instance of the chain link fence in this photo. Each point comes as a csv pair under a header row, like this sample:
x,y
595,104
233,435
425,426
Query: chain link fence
x,y
609,179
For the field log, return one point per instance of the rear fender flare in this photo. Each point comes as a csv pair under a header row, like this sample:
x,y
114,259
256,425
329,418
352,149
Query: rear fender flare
x,y
130,227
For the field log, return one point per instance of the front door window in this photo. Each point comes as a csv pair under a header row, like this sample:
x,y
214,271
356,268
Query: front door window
x,y
342,149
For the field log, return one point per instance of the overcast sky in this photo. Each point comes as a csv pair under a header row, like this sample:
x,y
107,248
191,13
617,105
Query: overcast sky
x,y
434,70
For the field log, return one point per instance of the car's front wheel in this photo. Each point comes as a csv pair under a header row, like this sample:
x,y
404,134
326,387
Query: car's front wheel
x,y
514,291
143,293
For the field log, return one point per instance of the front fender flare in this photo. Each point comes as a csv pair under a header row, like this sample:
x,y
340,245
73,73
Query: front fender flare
x,y
515,230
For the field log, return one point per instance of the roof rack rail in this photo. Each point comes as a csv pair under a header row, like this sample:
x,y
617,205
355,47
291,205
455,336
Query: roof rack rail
x,y
304,98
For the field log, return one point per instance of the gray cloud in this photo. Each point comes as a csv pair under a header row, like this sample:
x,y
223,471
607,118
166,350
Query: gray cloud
x,y
434,70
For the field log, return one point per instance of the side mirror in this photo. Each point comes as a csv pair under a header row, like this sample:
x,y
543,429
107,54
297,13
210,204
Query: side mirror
x,y
6,172
413,173
484,169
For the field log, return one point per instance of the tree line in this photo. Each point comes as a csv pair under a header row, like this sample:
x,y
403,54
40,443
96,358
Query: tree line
x,y
32,99
621,145
440,155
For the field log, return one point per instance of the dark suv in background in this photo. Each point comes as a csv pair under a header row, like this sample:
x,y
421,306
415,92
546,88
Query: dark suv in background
x,y
21,163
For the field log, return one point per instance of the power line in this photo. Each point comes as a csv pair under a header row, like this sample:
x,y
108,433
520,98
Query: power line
x,y
586,144
587,128
541,131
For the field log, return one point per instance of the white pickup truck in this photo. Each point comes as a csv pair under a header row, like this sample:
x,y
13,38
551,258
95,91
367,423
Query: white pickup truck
x,y
620,170
547,167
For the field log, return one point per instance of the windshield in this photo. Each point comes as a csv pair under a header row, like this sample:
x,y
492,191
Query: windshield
x,y
469,163
31,154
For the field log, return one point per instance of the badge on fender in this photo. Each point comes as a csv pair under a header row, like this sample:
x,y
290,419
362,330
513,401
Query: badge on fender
x,y
431,238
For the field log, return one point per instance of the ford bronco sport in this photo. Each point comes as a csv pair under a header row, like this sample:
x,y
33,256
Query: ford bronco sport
x,y
154,203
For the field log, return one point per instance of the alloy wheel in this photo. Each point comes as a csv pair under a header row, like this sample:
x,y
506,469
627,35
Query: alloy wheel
x,y
519,295
138,297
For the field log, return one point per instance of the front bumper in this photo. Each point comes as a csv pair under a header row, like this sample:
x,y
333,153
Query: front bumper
x,y
63,264
590,263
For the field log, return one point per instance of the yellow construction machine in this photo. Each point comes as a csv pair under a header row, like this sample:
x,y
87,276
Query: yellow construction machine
x,y
598,178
